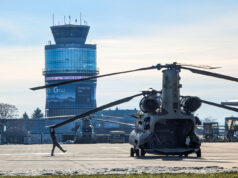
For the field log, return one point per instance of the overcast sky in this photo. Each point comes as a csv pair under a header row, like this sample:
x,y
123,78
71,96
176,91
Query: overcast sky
x,y
128,34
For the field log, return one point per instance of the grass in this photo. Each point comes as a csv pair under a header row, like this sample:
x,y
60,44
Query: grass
x,y
217,175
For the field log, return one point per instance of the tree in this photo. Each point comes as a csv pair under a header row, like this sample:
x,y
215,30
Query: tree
x,y
25,116
8,111
37,114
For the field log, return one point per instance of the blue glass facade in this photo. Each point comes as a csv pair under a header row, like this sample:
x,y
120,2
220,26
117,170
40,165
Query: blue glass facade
x,y
73,59
76,96
70,58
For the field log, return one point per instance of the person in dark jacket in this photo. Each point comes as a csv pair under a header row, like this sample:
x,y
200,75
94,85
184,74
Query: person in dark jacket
x,y
54,141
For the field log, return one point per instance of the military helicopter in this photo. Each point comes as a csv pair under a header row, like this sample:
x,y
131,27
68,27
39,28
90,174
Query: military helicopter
x,y
165,123
84,131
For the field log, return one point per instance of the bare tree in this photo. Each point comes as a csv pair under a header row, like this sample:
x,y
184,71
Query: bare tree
x,y
8,111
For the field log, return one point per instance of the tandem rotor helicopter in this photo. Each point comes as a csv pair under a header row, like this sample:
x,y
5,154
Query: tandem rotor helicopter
x,y
165,123
84,131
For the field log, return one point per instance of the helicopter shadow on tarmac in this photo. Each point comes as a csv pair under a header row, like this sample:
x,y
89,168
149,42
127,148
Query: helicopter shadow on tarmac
x,y
180,158
167,158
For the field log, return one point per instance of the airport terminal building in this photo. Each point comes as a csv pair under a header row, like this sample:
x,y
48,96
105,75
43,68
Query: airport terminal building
x,y
68,59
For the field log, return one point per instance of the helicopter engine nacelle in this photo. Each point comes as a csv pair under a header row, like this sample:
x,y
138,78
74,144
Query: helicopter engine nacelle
x,y
190,104
149,104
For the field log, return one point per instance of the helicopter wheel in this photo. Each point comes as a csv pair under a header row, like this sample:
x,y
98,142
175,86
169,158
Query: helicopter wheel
x,y
137,152
132,152
143,152
199,154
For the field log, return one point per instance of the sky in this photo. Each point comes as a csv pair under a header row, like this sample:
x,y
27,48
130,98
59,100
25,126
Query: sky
x,y
129,34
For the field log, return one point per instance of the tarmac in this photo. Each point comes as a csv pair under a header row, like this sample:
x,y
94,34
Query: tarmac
x,y
25,158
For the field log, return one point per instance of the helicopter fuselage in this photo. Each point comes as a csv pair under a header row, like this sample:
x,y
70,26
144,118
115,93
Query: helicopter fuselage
x,y
85,132
166,129
165,123
165,133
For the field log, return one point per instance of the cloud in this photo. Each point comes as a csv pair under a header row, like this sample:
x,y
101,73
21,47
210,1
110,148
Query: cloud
x,y
23,29
21,68
21,63
211,43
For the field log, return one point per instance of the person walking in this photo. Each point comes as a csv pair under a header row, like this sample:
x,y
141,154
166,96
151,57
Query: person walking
x,y
55,143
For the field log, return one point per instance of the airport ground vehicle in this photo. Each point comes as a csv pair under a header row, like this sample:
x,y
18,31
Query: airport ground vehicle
x,y
231,128
210,131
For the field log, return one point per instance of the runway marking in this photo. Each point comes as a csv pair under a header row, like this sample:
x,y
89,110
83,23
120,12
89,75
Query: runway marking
x,y
26,154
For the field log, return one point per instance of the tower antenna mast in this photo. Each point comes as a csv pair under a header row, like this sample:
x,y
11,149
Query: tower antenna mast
x,y
80,18
53,19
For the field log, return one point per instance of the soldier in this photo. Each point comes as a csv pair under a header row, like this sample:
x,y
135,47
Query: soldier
x,y
55,143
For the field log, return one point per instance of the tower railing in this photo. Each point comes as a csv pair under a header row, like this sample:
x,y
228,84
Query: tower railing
x,y
63,71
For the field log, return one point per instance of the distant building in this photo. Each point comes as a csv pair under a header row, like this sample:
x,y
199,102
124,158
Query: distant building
x,y
70,58
34,131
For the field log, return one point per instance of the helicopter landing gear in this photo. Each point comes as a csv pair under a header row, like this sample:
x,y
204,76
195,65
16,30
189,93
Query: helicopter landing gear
x,y
143,152
199,154
132,152
137,153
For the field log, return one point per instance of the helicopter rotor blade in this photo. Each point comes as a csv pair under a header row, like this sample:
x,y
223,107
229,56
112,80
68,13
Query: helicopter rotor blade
x,y
219,105
94,77
52,117
106,116
212,74
134,115
198,66
52,126
158,67
114,103
115,122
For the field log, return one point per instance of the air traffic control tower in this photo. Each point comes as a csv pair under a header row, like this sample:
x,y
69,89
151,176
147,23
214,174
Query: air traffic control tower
x,y
69,59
